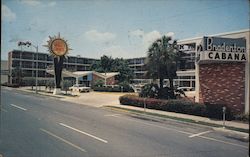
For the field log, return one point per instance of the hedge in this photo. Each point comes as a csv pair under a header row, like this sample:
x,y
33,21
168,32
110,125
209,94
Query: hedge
x,y
112,89
178,105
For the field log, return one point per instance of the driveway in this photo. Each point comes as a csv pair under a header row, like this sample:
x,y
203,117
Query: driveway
x,y
96,99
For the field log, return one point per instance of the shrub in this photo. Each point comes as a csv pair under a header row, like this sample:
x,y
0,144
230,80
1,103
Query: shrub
x,y
150,90
179,106
66,84
242,117
112,89
125,87
153,91
215,111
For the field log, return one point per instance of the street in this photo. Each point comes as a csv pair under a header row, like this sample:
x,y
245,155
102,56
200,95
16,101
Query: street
x,y
39,126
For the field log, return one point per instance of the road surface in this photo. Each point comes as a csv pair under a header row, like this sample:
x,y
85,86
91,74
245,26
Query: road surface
x,y
40,126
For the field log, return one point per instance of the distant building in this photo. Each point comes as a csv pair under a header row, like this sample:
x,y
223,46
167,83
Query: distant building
x,y
4,72
26,62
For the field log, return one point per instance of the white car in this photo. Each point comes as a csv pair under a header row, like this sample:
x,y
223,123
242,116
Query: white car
x,y
185,89
189,91
80,88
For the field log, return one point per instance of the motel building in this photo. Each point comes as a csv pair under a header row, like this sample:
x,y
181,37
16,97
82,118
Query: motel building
x,y
221,69
216,66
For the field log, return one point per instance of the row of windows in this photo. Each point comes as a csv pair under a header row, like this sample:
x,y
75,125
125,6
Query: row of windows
x,y
136,61
30,64
47,57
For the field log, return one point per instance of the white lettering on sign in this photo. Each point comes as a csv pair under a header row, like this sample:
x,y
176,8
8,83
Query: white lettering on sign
x,y
224,56
223,47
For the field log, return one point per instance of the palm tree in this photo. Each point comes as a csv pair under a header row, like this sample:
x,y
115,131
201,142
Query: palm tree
x,y
161,62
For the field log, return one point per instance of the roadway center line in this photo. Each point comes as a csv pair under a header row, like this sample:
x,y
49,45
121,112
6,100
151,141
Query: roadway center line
x,y
82,132
198,134
63,140
111,115
18,107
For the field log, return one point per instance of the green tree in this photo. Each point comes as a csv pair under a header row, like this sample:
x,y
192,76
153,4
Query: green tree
x,y
161,62
125,72
108,64
66,85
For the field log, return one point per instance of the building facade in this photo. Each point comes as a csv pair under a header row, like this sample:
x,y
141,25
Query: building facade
x,y
27,63
4,72
215,80
222,69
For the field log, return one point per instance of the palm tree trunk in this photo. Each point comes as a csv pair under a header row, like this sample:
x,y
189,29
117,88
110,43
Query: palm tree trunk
x,y
161,83
171,88
161,87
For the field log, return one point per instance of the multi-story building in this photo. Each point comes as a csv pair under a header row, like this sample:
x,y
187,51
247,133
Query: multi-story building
x,y
27,63
4,72
185,68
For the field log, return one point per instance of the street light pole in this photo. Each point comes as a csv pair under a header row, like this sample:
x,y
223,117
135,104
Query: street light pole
x,y
36,62
36,66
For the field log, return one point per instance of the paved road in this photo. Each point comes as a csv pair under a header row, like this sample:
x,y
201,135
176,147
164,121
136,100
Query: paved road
x,y
38,126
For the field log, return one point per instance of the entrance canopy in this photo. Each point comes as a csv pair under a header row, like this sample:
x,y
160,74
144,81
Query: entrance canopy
x,y
78,74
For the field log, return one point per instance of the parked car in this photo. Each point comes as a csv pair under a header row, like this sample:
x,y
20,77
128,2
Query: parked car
x,y
188,91
185,89
80,88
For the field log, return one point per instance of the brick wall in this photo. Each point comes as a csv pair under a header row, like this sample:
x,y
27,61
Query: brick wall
x,y
223,84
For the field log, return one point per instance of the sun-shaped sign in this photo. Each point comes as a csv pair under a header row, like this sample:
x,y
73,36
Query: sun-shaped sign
x,y
57,46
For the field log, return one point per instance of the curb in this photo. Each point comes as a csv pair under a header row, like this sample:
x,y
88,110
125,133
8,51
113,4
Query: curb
x,y
234,134
215,127
40,93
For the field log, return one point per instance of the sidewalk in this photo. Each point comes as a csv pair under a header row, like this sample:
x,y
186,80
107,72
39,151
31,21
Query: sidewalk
x,y
102,99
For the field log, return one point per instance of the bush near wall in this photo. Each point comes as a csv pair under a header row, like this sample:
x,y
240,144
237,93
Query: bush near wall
x,y
242,117
179,106
216,111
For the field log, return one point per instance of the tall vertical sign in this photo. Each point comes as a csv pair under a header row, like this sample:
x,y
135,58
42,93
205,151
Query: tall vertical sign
x,y
58,48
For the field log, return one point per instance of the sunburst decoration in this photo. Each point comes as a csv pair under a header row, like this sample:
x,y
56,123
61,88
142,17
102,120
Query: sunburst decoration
x,y
57,46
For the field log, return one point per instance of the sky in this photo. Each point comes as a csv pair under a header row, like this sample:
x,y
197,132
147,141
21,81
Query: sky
x,y
117,28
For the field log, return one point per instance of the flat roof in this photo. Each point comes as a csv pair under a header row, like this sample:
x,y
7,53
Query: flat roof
x,y
218,34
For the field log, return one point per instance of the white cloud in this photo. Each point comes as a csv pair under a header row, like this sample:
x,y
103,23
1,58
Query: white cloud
x,y
116,51
146,38
31,2
7,14
44,41
51,4
94,35
150,37
137,33
170,34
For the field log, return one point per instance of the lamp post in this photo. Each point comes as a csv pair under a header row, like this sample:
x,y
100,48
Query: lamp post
x,y
27,43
